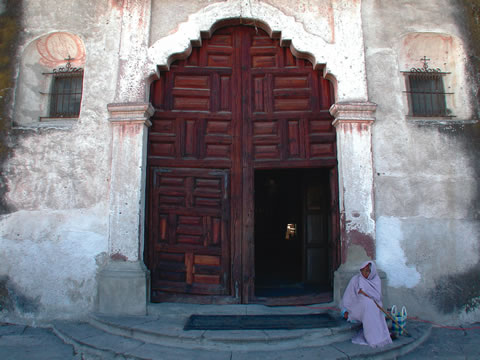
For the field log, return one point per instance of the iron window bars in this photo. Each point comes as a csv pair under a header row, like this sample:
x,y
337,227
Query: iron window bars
x,y
426,93
66,91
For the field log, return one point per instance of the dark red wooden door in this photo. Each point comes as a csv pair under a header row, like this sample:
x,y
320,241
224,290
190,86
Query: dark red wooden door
x,y
239,102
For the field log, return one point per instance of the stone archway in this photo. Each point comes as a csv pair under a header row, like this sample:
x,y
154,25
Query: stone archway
x,y
130,113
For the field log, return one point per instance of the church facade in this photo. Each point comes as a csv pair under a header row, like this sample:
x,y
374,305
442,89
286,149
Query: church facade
x,y
239,151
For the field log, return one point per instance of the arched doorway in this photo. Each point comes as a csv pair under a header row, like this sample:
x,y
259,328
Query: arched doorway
x,y
237,118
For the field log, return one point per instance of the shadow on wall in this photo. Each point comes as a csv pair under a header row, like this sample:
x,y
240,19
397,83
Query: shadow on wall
x,y
9,33
458,292
12,300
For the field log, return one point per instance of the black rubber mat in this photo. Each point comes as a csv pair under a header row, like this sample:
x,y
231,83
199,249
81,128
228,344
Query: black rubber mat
x,y
260,322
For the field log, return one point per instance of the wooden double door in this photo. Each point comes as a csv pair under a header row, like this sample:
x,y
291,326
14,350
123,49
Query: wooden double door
x,y
239,104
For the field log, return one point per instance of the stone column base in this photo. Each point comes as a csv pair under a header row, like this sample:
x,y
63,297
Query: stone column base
x,y
123,288
343,275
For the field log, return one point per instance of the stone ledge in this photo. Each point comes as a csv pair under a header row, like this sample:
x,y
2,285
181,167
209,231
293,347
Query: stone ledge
x,y
130,112
353,112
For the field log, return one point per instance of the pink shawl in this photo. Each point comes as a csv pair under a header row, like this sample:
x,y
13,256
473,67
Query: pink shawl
x,y
375,331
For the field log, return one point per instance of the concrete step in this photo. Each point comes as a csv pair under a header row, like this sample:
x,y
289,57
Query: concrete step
x,y
93,344
163,337
160,335
168,330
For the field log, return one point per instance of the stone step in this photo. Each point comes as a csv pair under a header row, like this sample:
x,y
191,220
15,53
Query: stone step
x,y
93,343
168,330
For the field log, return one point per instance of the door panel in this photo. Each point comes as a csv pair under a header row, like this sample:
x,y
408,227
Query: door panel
x,y
237,103
190,213
316,212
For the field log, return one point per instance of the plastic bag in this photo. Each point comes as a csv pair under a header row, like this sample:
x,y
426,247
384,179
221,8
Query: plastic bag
x,y
401,318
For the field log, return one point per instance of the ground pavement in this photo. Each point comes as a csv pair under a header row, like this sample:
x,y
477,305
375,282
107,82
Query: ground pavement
x,y
21,342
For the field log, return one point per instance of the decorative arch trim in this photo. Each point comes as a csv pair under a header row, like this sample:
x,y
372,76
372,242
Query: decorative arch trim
x,y
272,20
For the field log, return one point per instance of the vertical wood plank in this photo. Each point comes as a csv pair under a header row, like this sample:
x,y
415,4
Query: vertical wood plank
x,y
172,229
225,94
216,231
268,93
189,188
215,92
236,229
247,286
259,94
189,142
189,268
207,231
293,139
163,228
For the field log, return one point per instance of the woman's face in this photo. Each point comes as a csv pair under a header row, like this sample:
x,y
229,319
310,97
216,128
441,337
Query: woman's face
x,y
366,271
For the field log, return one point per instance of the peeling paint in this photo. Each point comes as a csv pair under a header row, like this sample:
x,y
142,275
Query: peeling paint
x,y
118,257
391,257
366,241
78,186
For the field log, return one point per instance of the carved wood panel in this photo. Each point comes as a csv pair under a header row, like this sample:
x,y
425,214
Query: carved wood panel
x,y
238,102
189,230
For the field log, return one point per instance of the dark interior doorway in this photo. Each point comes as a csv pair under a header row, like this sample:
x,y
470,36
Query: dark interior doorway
x,y
292,232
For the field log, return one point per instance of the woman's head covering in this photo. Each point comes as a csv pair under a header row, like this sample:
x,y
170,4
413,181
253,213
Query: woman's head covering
x,y
373,269
372,285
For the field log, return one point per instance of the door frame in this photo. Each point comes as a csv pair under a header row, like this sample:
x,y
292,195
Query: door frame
x,y
248,293
130,112
242,242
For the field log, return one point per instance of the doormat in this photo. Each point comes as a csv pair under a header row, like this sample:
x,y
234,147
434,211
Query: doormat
x,y
260,322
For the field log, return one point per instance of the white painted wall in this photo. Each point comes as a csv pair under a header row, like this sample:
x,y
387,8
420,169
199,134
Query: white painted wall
x,y
51,258
425,177
54,242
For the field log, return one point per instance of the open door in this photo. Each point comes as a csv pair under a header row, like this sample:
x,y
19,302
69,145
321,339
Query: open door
x,y
292,245
316,218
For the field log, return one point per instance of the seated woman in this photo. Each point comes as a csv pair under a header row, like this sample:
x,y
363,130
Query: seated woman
x,y
358,305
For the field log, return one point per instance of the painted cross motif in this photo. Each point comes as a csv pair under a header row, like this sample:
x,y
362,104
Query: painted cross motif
x,y
425,62
425,68
68,67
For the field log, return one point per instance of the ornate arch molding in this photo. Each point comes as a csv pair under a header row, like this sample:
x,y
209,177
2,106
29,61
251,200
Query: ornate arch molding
x,y
270,19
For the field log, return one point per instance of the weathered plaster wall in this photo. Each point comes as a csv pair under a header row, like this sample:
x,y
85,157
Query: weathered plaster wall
x,y
53,240
426,173
54,235
9,36
336,41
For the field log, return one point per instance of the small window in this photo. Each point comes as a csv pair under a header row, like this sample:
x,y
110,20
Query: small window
x,y
66,95
426,95
426,92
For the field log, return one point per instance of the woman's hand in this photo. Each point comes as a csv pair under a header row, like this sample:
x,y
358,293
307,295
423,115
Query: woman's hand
x,y
363,293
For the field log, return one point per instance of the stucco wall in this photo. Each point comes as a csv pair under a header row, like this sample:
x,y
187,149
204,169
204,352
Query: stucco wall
x,y
54,235
426,172
54,238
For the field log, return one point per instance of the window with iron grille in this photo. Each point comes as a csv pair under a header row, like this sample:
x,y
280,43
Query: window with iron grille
x,y
426,95
426,92
66,94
